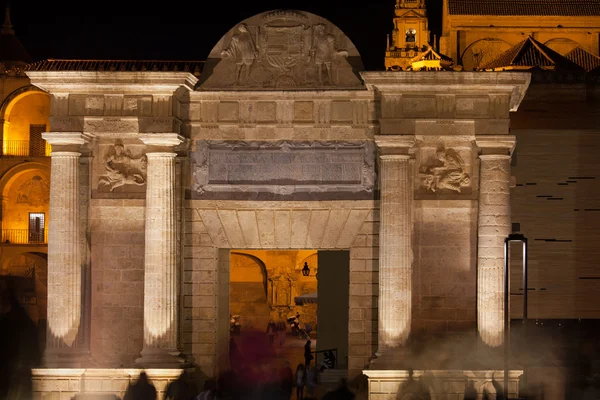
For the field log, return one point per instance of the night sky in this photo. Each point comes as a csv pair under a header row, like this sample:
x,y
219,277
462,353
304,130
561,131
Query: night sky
x,y
183,30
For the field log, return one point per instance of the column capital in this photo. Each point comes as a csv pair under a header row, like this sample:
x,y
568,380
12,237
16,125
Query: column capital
x,y
495,145
167,139
395,145
67,138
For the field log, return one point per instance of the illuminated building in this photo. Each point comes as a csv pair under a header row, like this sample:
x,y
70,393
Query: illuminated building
x,y
159,171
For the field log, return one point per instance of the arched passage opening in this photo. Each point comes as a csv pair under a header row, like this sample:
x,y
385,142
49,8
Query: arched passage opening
x,y
25,192
25,117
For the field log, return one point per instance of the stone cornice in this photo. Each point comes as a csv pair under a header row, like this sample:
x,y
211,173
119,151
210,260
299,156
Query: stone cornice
x,y
514,84
395,145
96,82
497,145
168,139
67,138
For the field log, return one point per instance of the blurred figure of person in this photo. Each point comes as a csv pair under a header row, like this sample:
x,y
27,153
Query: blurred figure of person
x,y
470,391
19,347
142,389
308,329
294,324
592,392
271,330
307,354
234,354
409,389
281,332
209,391
311,383
342,392
300,381
328,361
179,389
286,379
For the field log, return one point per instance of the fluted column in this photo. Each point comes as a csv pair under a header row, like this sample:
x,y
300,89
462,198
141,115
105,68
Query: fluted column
x,y
160,257
65,344
494,225
395,242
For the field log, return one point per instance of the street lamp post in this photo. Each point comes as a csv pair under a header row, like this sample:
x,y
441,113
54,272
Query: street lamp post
x,y
513,237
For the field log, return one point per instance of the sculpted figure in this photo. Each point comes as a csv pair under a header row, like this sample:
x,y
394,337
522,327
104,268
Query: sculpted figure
x,y
243,52
323,52
122,169
447,174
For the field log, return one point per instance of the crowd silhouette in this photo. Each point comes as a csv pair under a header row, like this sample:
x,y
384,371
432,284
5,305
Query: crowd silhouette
x,y
19,347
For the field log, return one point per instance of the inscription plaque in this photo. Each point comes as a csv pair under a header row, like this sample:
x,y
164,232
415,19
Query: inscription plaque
x,y
270,170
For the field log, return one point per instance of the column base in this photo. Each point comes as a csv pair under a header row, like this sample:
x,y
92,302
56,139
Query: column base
x,y
68,358
398,358
162,358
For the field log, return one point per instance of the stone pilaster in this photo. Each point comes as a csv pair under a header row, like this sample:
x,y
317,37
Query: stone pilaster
x,y
395,242
66,344
493,227
161,292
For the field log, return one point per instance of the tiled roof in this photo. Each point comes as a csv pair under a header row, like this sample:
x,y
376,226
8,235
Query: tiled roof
x,y
576,8
584,59
531,54
193,67
431,54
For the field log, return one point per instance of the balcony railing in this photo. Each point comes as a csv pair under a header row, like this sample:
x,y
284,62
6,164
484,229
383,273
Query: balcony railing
x,y
22,148
24,236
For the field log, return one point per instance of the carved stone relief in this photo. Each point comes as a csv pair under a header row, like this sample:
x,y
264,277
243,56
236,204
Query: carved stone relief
x,y
445,172
281,49
121,169
35,192
283,170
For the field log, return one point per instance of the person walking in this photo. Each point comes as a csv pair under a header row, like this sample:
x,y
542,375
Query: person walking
x,y
281,332
271,330
286,379
141,390
307,354
311,383
300,381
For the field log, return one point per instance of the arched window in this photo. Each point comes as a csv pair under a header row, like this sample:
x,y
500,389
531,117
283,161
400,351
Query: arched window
x,y
411,35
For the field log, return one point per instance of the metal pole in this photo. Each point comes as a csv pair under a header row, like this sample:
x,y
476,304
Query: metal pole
x,y
506,316
524,339
524,281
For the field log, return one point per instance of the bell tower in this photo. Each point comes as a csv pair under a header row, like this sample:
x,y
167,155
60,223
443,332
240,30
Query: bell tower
x,y
410,36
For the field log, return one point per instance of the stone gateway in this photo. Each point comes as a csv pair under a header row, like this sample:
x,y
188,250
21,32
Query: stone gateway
x,y
394,186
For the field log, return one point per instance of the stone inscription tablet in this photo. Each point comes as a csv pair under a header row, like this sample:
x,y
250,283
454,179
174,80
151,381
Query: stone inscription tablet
x,y
275,170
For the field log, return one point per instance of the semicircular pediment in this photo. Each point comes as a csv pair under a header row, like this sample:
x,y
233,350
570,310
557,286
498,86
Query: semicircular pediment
x,y
282,50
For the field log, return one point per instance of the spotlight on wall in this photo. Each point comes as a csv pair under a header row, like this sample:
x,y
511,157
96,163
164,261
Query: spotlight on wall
x,y
305,269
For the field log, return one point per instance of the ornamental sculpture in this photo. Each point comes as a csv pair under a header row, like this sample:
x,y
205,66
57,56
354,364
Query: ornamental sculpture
x,y
445,173
35,192
122,169
281,49
243,52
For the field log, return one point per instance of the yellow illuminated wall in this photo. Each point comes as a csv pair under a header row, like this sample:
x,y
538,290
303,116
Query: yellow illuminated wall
x,y
264,284
30,108
25,192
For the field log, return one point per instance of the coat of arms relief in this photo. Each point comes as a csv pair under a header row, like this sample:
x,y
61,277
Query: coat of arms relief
x,y
282,49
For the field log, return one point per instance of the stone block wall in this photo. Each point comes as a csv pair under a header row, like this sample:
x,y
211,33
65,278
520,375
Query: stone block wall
x,y
117,261
445,267
64,384
442,384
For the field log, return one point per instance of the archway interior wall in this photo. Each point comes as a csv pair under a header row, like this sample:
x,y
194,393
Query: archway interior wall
x,y
212,229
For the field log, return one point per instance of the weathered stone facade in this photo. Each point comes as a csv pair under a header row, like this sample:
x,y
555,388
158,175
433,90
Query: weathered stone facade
x,y
227,167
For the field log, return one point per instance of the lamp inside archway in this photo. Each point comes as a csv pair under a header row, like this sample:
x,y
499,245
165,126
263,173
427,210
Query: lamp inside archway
x,y
305,269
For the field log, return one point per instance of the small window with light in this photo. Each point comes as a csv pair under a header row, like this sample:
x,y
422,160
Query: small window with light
x,y
37,225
